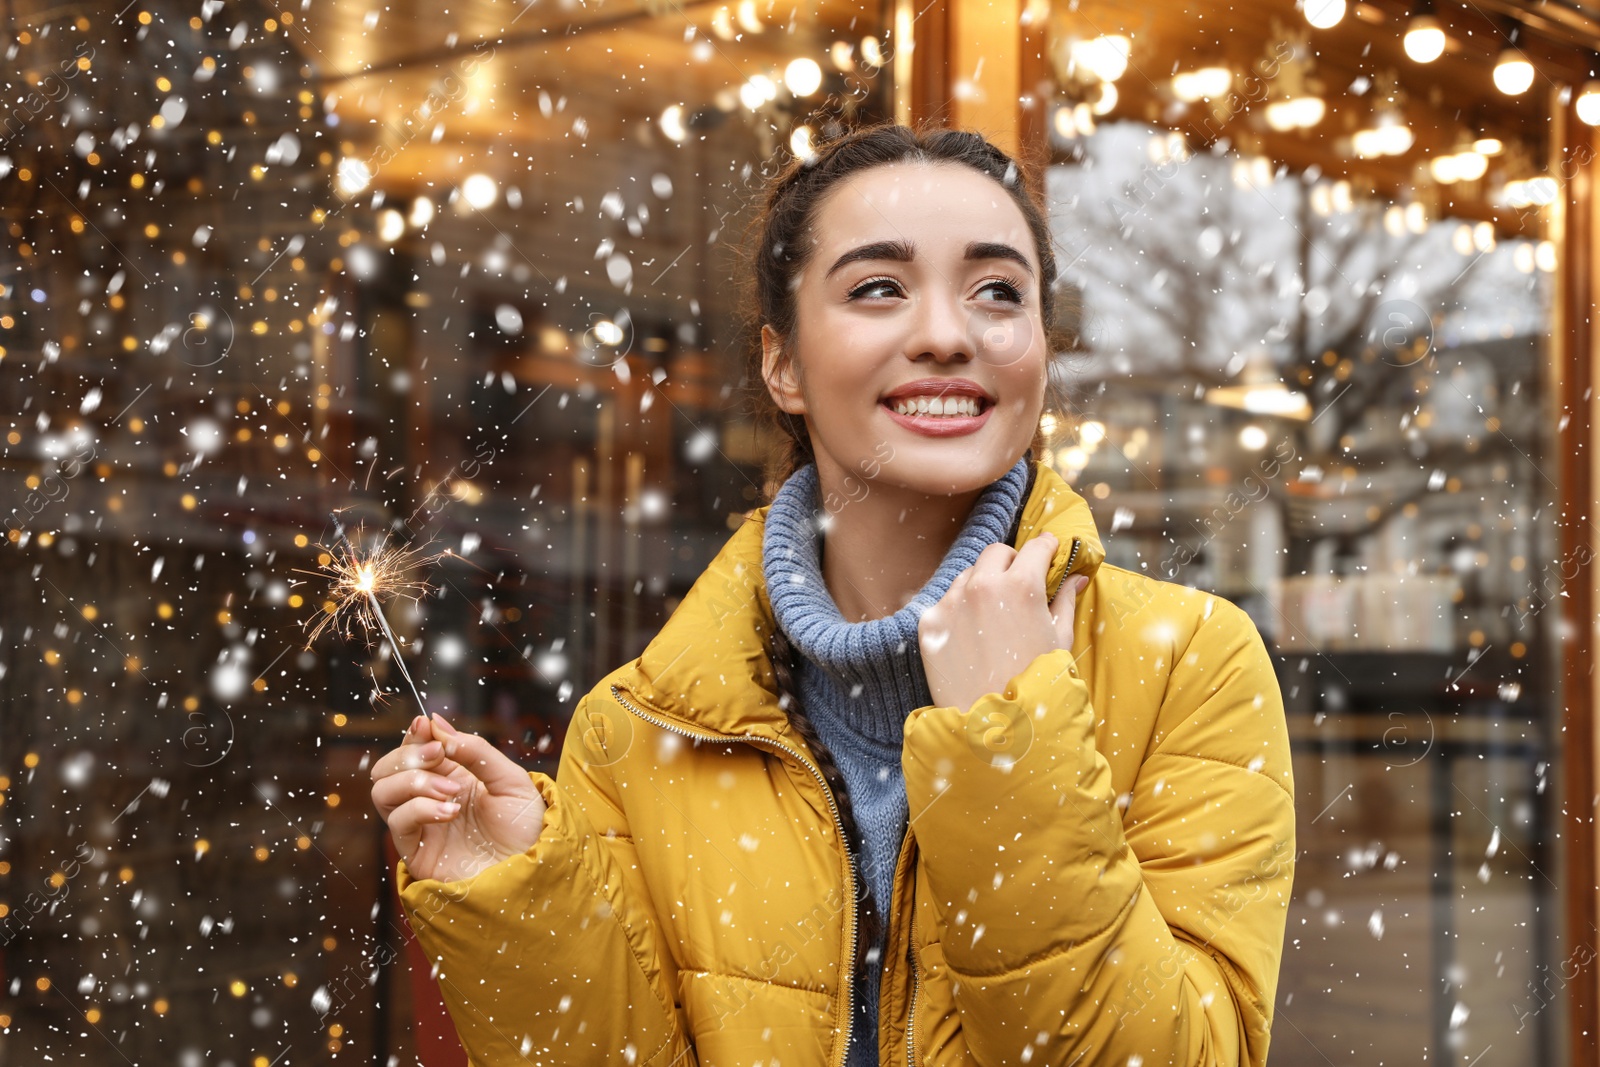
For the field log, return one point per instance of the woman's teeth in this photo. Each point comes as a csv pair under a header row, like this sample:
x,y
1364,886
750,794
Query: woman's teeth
x,y
950,405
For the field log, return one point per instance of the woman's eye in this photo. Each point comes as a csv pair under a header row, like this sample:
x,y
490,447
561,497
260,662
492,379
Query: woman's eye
x,y
875,287
1003,290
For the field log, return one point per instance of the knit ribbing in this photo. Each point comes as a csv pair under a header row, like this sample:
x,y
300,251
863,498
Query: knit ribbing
x,y
859,681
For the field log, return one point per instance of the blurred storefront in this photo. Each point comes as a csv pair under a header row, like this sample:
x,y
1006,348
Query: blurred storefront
x,y
471,279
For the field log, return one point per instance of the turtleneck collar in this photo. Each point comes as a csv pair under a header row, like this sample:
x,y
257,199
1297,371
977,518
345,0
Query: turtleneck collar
x,y
878,663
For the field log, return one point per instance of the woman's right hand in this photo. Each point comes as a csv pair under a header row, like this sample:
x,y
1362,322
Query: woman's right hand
x,y
454,803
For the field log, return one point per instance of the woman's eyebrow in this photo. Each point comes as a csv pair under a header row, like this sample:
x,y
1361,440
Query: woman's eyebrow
x,y
905,252
997,250
899,251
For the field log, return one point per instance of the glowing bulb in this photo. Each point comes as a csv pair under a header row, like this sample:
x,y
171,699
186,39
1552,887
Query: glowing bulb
x,y
757,91
479,190
872,52
1488,146
1207,83
1394,136
1513,74
421,212
1544,256
391,225
1324,14
1588,104
1445,170
1105,57
803,76
1107,101
800,142
353,176
1471,165
672,122
1253,437
1425,39
1483,237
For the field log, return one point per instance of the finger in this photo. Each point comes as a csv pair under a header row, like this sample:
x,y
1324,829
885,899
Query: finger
x,y
407,757
1035,556
1065,606
391,792
994,559
499,774
408,820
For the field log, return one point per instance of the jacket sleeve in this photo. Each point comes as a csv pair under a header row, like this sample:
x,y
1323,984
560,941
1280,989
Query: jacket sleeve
x,y
1076,929
554,955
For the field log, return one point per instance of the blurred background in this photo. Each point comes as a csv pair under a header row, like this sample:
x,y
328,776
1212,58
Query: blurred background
x,y
471,277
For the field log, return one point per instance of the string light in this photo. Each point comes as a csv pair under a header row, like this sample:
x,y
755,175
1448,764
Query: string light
x,y
1389,137
672,123
1104,57
1513,74
803,76
1324,14
1588,103
1207,83
479,191
1300,113
1425,39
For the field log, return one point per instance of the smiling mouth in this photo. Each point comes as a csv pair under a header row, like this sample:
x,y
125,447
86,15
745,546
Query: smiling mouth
x,y
936,407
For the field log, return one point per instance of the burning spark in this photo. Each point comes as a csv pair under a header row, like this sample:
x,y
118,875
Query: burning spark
x,y
359,584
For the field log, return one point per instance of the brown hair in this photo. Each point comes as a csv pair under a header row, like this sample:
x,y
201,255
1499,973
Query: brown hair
x,y
780,252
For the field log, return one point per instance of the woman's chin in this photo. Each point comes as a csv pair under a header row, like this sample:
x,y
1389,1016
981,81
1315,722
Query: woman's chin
x,y
947,471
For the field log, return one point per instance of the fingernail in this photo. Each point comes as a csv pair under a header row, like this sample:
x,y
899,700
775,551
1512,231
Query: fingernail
x,y
444,724
416,724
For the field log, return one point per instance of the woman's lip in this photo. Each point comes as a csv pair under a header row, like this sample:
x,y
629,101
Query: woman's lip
x,y
940,425
940,387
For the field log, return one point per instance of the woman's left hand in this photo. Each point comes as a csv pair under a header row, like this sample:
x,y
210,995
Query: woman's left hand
x,y
993,621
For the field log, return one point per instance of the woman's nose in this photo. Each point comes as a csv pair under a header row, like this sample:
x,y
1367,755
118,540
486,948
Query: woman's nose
x,y
944,331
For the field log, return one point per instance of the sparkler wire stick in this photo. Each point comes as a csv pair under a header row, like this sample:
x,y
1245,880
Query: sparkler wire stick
x,y
383,623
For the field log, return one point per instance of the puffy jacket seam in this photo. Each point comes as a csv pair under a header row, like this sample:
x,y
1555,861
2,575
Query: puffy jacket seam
x,y
755,981
1166,688
1230,976
1059,950
597,884
1224,762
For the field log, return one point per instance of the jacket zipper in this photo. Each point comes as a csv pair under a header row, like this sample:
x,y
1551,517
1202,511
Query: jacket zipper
x,y
916,973
850,876
916,983
1076,543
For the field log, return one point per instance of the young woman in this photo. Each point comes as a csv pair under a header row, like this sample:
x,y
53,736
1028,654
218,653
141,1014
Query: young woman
x,y
911,775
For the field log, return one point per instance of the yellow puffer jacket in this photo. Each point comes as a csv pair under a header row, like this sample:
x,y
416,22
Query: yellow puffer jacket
x,y
1097,870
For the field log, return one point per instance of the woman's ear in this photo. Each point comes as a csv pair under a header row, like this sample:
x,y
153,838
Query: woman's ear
x,y
779,373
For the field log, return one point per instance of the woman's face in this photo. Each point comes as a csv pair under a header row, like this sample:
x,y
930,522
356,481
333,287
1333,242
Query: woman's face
x,y
923,282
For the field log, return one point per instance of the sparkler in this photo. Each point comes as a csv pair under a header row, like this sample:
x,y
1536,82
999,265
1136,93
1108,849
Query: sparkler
x,y
359,580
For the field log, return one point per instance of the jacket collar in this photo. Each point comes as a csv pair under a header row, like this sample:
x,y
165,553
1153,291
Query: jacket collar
x,y
708,670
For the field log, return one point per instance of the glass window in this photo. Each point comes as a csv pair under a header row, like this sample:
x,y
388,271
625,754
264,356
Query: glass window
x,y
1320,386
466,277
